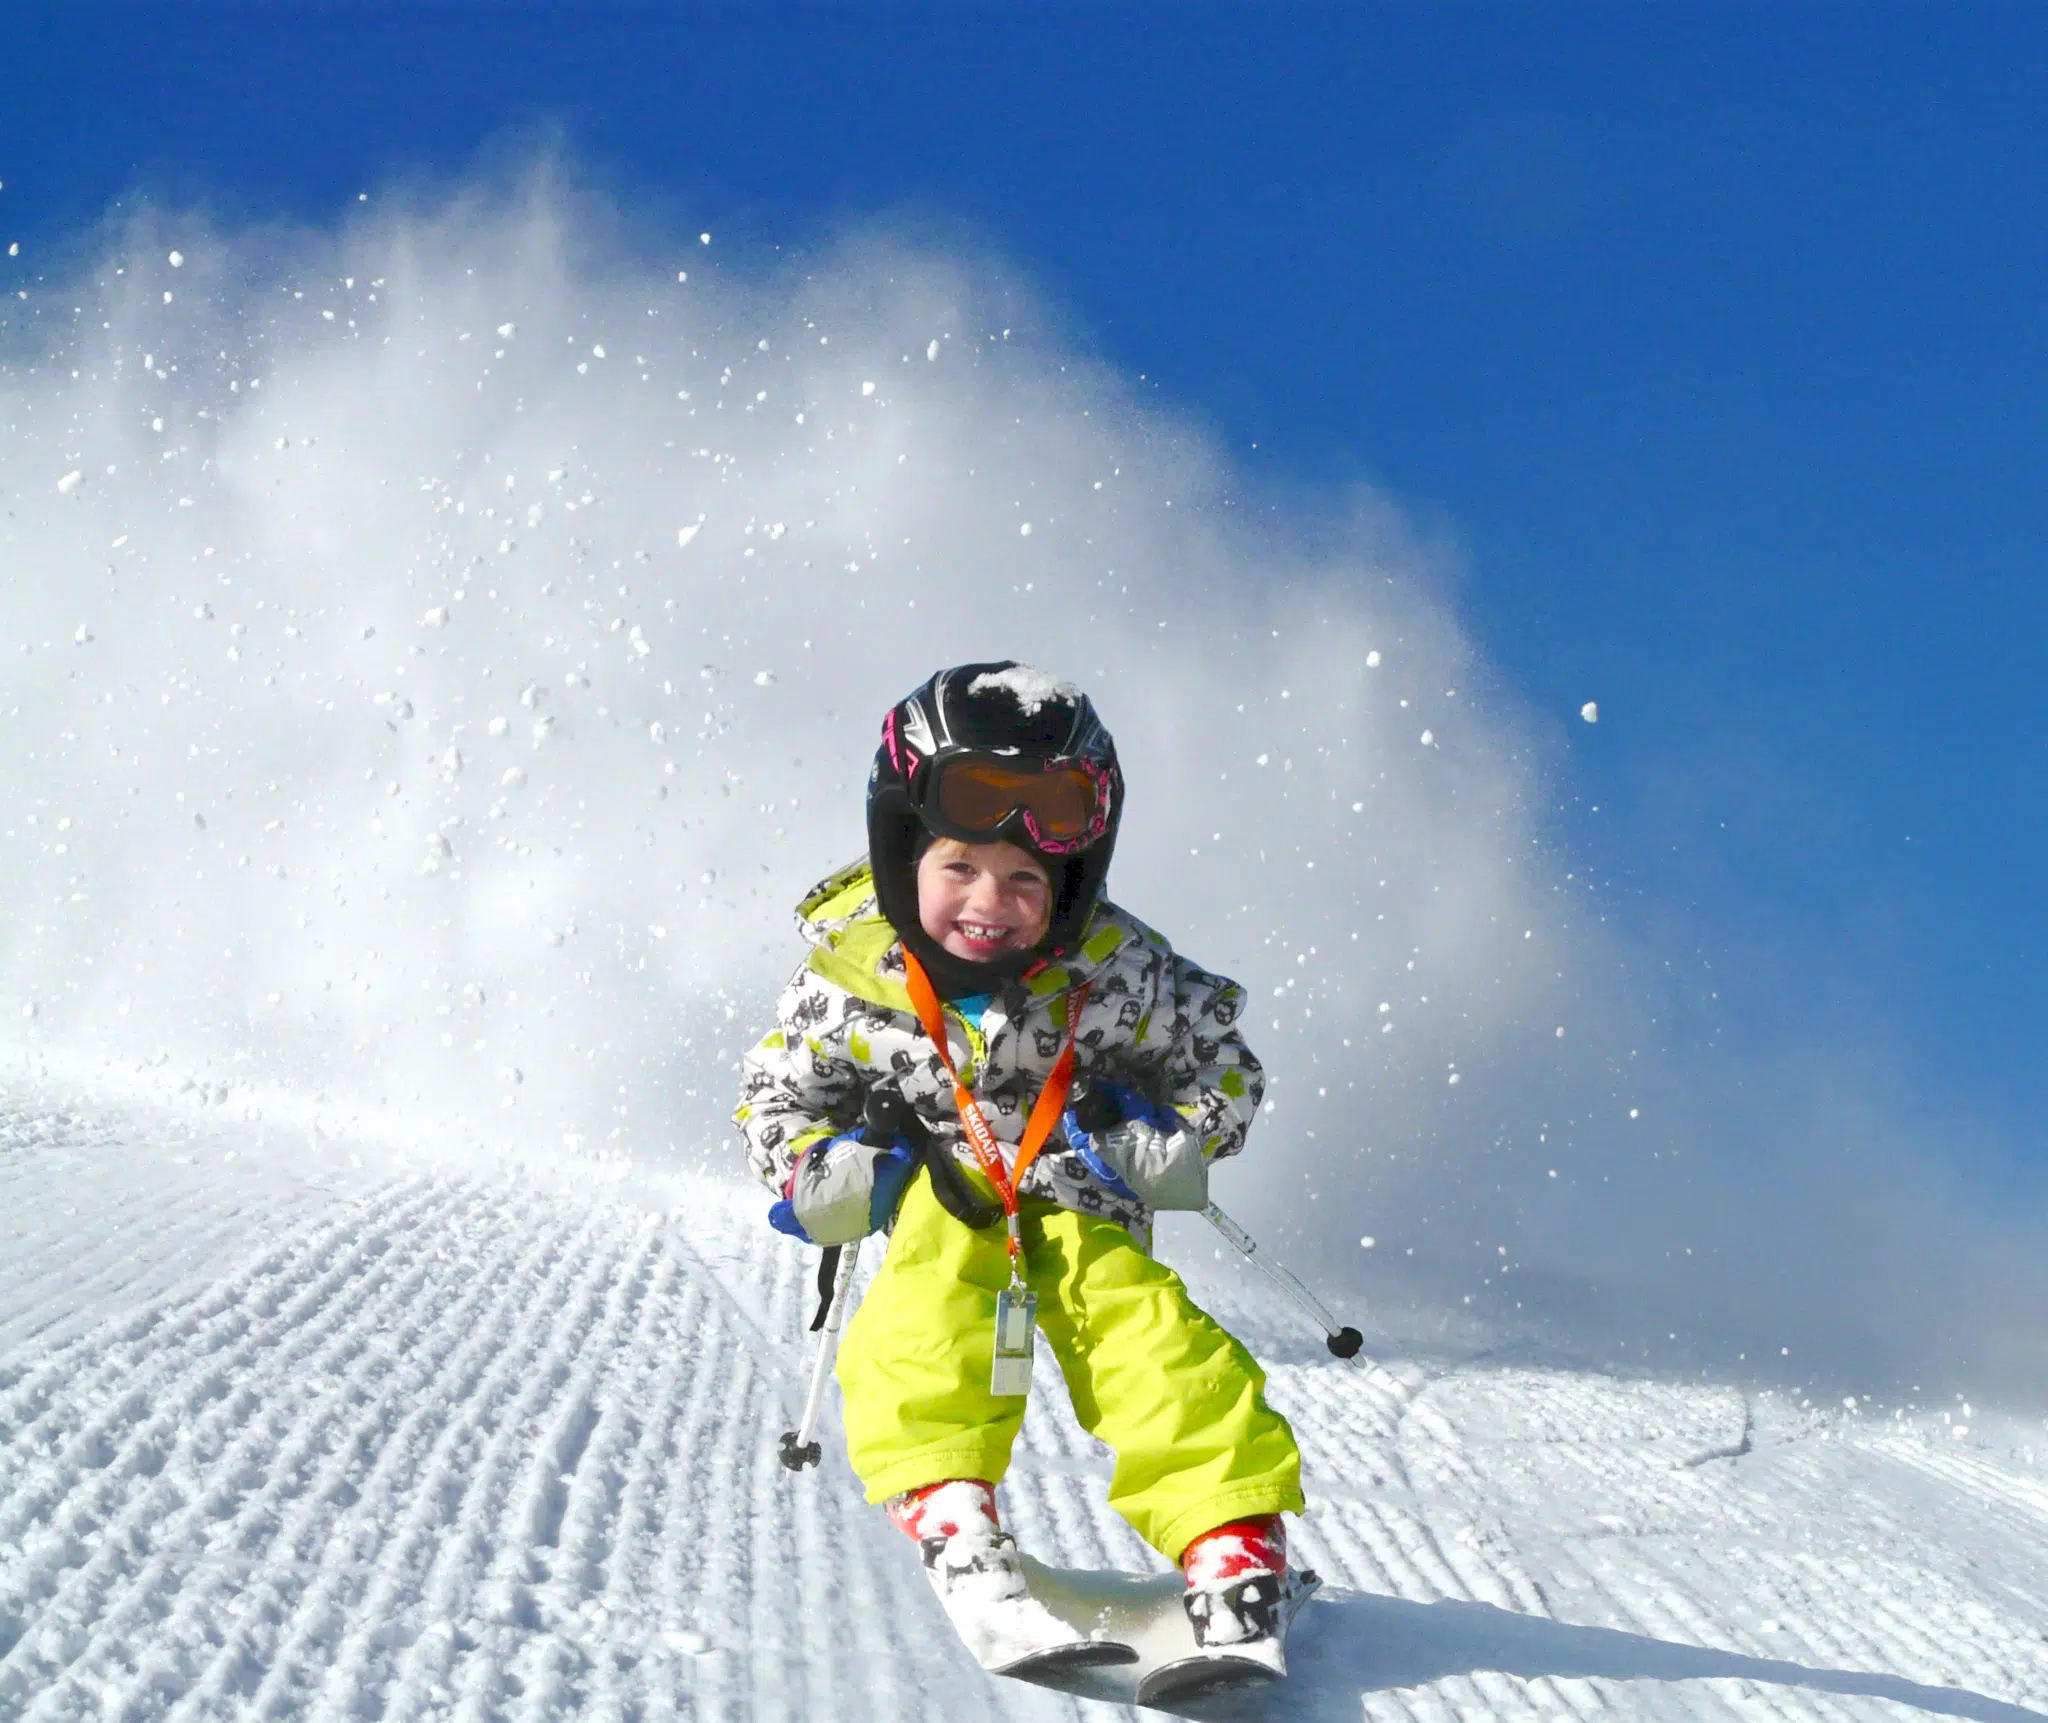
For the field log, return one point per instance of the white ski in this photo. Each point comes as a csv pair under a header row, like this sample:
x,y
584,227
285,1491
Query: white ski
x,y
1147,1614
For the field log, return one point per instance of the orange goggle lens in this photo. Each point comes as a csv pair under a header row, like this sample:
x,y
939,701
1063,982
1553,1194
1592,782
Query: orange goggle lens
x,y
979,795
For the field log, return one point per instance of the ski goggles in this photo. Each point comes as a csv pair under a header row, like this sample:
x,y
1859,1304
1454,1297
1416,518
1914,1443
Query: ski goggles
x,y
1062,805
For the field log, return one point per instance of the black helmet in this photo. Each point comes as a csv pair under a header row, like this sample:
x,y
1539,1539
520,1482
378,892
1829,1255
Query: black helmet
x,y
988,752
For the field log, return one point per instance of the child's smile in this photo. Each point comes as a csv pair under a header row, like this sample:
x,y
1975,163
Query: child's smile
x,y
982,901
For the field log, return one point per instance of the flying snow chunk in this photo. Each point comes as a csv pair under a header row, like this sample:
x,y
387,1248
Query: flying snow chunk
x,y
1030,687
932,348
867,388
1590,711
70,482
177,260
1024,531
84,635
435,618
1372,661
1429,738
762,678
507,330
685,534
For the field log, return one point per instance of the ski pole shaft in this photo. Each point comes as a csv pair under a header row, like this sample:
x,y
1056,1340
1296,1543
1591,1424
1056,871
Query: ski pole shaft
x,y
799,1447
1343,1342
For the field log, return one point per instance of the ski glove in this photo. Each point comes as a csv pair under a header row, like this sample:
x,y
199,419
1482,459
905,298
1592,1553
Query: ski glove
x,y
843,1190
1138,1150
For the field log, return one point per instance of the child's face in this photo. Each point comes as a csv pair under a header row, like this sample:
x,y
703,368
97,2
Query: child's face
x,y
981,901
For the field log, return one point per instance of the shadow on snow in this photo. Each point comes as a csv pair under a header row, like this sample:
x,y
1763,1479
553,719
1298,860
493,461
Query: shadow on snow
x,y
1348,1643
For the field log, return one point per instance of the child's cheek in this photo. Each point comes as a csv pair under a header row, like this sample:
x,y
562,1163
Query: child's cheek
x,y
933,912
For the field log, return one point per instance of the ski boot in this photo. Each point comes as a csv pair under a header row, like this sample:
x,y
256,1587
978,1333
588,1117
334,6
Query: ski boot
x,y
1240,1600
975,1567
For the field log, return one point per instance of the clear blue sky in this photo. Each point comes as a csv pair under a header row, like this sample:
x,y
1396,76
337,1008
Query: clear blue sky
x,y
1717,336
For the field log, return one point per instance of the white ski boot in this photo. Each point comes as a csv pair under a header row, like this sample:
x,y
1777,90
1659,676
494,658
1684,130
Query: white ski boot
x,y
1240,1600
975,1567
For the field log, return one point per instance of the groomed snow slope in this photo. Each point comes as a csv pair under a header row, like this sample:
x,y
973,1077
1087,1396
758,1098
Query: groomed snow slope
x,y
286,1432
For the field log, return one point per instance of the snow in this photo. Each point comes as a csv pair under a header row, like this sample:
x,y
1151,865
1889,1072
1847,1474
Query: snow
x,y
1590,712
297,1426
1029,686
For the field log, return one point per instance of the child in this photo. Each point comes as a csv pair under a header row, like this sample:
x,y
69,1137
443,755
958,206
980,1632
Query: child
x,y
971,965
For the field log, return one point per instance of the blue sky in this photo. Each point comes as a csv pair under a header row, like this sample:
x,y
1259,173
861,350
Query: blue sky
x,y
1714,339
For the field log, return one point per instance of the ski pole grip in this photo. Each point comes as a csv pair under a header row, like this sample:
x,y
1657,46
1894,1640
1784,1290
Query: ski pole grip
x,y
888,1115
1096,1110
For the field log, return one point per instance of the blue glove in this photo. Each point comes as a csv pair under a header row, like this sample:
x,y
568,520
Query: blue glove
x,y
1105,1175
1137,1150
1134,1105
886,1173
1107,1104
895,1166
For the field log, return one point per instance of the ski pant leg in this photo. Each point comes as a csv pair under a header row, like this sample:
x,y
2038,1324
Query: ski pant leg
x,y
1163,1383
914,1363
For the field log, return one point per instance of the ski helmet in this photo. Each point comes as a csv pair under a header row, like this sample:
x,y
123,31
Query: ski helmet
x,y
989,752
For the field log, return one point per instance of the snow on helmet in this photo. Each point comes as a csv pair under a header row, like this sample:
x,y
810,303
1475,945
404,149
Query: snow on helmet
x,y
988,752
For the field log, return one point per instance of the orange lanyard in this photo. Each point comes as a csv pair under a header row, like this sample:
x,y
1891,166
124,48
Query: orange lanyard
x,y
1045,1111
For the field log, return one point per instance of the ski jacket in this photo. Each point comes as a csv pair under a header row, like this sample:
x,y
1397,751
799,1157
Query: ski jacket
x,y
1152,1020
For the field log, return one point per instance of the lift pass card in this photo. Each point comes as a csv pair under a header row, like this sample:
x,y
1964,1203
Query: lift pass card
x,y
1016,1327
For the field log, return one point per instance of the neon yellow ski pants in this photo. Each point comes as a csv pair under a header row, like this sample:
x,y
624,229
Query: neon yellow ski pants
x,y
1180,1401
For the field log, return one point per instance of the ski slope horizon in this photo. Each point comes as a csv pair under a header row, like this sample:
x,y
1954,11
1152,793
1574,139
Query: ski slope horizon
x,y
448,642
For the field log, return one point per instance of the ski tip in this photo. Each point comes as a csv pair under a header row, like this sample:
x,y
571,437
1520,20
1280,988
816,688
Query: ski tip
x,y
1197,1677
1082,1654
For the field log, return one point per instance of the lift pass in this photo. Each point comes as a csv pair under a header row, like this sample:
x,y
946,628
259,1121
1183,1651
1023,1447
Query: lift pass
x,y
1016,1327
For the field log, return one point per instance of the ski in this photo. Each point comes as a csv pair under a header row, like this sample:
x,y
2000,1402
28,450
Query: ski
x,y
1230,1668
1210,1673
1055,1661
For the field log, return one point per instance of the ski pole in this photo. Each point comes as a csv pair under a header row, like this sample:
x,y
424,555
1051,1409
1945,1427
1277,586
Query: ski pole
x,y
799,1447
1094,1110
1343,1342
